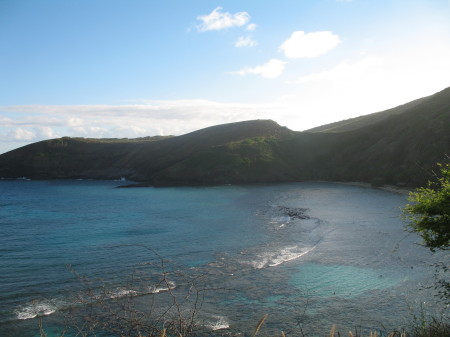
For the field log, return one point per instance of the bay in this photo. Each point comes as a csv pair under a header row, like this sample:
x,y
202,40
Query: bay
x,y
308,254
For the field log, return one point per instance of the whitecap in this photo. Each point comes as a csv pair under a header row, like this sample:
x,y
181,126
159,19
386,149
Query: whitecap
x,y
273,259
122,292
154,289
157,289
35,309
217,323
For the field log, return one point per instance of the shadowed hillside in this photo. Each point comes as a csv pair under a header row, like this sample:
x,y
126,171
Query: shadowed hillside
x,y
397,146
136,159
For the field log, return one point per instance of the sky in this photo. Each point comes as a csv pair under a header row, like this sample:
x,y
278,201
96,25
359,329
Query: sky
x,y
136,68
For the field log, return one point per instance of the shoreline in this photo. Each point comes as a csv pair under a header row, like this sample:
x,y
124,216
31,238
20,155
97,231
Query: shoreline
x,y
134,184
389,188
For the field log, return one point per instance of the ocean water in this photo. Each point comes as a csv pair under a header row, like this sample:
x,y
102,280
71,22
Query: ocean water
x,y
309,255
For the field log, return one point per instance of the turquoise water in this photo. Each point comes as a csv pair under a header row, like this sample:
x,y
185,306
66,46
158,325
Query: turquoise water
x,y
341,281
345,261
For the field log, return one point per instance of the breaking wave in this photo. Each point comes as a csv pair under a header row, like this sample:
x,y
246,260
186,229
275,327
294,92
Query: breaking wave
x,y
121,292
37,308
157,289
217,323
47,307
273,259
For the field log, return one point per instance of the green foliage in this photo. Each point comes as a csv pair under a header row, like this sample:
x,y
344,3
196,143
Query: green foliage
x,y
251,149
428,212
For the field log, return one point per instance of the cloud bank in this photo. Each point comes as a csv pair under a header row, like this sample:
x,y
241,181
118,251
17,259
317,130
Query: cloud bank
x,y
32,123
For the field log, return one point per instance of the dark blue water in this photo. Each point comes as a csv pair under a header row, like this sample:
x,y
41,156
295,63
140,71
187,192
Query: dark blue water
x,y
346,260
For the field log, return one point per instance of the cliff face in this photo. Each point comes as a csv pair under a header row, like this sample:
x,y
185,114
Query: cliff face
x,y
397,146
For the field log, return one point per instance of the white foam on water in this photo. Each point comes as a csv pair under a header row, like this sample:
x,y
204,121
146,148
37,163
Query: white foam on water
x,y
273,259
157,289
285,219
35,309
47,307
124,292
121,292
218,323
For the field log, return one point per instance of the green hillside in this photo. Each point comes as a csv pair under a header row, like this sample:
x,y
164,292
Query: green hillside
x,y
136,159
398,146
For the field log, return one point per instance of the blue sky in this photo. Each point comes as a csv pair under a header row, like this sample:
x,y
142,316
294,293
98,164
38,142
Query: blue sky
x,y
130,68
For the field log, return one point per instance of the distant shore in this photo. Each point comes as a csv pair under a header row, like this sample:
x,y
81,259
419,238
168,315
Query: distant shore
x,y
390,188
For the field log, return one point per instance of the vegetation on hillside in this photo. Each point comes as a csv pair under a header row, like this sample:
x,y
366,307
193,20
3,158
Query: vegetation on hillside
x,y
428,214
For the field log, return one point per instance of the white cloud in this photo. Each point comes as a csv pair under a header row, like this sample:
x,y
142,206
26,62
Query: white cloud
x,y
127,132
20,134
217,20
308,45
24,134
345,71
74,121
45,132
251,27
243,41
272,69
88,131
31,122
